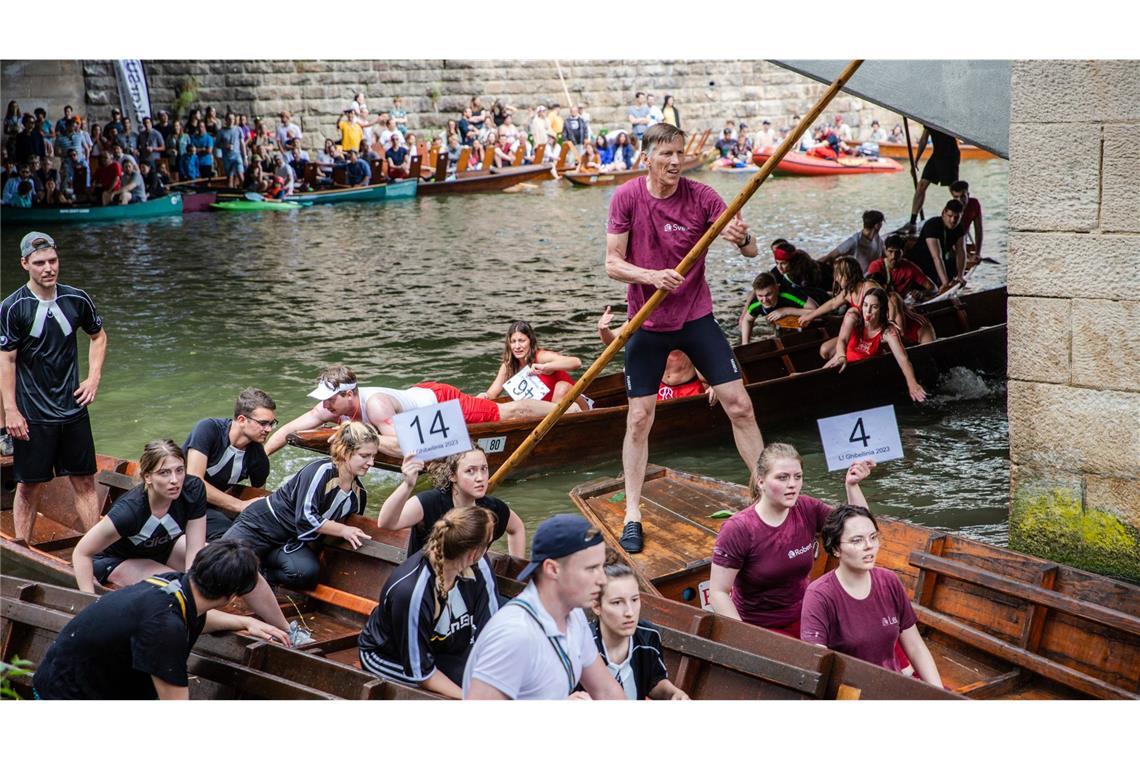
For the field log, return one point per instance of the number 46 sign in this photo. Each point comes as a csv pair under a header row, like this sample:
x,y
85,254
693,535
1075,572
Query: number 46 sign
x,y
432,432
870,434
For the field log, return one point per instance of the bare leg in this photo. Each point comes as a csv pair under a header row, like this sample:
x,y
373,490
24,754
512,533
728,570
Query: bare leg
x,y
738,406
132,571
177,558
919,197
24,510
263,602
635,452
560,390
86,501
827,348
529,407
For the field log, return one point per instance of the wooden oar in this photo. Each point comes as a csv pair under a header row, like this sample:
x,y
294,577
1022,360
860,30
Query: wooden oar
x,y
189,182
686,264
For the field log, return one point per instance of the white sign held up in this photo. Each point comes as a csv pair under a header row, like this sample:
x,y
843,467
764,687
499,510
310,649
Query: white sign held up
x,y
526,384
432,432
870,434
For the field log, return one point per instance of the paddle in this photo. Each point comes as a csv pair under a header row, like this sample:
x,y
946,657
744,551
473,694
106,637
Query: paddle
x,y
686,264
189,182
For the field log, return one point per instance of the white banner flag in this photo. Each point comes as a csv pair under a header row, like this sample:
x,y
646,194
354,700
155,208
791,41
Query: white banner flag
x,y
133,96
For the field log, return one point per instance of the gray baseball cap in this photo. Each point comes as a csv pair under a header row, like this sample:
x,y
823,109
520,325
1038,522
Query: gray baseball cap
x,y
35,241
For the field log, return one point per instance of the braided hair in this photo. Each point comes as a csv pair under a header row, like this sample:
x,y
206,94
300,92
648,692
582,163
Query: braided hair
x,y
459,531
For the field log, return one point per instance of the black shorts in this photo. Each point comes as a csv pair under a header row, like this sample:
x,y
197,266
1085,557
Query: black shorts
x,y
703,342
941,170
103,565
54,448
217,523
259,529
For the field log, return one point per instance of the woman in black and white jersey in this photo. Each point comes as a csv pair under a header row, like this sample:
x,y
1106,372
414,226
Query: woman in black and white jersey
x,y
285,528
433,606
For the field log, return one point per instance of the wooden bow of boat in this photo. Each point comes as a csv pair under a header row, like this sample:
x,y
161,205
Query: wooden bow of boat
x,y
999,623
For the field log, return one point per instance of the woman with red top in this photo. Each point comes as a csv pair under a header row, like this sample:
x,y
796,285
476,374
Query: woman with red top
x,y
859,609
522,350
763,554
867,333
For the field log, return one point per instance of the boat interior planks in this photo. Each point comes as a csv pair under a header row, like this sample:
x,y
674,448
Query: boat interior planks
x,y
999,623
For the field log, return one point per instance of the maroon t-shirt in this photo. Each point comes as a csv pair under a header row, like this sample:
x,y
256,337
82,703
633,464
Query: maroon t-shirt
x,y
905,275
864,628
661,231
972,211
774,563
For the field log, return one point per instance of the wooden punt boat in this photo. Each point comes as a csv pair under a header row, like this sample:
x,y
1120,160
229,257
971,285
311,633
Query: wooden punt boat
x,y
168,205
592,179
898,150
999,623
388,191
803,165
485,180
708,656
784,376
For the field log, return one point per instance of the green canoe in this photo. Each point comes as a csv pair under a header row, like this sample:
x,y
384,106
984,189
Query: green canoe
x,y
170,205
245,205
389,191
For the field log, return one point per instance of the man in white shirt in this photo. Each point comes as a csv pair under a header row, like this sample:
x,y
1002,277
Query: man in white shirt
x,y
538,128
865,245
286,131
539,645
766,137
655,114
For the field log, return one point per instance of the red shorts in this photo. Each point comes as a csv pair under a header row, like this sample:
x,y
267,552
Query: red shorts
x,y
691,388
474,409
554,379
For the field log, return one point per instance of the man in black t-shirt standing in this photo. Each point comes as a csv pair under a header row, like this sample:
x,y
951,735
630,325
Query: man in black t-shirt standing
x,y
941,168
45,404
942,254
133,643
224,452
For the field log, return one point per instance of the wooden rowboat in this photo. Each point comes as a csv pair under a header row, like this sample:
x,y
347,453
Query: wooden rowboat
x,y
999,623
485,180
898,150
708,656
784,376
591,179
168,205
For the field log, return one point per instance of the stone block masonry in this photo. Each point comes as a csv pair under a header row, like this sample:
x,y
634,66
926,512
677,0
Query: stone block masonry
x,y
1074,313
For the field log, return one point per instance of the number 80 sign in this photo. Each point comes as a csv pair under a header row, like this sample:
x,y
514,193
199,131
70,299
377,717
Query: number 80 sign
x,y
432,432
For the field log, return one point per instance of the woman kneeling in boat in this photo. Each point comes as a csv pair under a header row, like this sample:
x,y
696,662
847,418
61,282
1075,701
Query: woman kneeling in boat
x,y
286,527
763,554
864,334
460,481
859,609
522,350
156,527
630,648
433,606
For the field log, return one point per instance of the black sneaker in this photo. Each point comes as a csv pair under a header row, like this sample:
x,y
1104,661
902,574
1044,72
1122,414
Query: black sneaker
x,y
632,539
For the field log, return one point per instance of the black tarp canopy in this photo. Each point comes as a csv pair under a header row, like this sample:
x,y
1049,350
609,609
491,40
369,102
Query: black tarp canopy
x,y
967,99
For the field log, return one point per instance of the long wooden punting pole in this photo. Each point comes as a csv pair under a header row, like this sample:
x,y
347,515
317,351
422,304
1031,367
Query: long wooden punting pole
x,y
686,264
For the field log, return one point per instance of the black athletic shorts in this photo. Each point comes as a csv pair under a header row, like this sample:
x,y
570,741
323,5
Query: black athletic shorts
x,y
217,523
54,448
103,565
941,170
259,529
703,342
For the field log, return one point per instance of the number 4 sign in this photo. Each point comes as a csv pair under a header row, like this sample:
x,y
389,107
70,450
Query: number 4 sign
x,y
526,384
432,432
870,434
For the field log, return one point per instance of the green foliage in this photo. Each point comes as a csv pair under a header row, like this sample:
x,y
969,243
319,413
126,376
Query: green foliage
x,y
17,668
1055,525
187,96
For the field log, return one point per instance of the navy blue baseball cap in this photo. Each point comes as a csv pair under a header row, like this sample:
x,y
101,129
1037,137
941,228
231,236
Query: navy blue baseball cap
x,y
558,537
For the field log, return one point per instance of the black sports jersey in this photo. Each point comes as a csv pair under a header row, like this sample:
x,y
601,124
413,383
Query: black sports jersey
x,y
437,503
408,636
43,334
312,495
145,536
646,662
111,649
934,228
226,465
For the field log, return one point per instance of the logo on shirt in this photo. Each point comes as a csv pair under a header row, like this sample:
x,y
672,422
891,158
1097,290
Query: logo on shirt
x,y
891,620
793,553
670,227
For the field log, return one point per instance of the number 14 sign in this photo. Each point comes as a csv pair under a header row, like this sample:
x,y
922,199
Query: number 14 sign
x,y
432,432
870,434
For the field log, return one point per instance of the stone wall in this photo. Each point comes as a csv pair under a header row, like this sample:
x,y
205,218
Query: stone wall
x,y
1074,313
434,90
47,84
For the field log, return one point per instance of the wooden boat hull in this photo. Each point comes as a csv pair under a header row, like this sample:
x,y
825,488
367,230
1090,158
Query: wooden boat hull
x,y
784,377
193,203
496,179
898,150
708,656
802,165
169,205
999,623
389,191
592,179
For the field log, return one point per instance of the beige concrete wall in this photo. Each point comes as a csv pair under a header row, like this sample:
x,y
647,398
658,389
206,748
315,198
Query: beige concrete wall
x,y
1074,312
47,84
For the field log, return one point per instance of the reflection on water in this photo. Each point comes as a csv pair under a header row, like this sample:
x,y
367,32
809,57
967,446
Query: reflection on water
x,y
200,307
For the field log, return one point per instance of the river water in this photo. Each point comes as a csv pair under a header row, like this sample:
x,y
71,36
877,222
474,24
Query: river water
x,y
199,307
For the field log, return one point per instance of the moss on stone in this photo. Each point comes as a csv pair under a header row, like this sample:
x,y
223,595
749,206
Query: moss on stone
x,y
1054,524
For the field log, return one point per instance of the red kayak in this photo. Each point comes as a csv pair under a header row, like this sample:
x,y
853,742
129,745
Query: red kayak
x,y
803,165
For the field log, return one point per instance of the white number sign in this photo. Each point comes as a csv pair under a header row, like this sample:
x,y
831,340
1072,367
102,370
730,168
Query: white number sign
x,y
432,432
870,434
526,384
495,445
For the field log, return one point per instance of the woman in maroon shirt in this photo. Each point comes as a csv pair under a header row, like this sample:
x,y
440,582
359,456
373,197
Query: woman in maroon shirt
x,y
859,609
763,554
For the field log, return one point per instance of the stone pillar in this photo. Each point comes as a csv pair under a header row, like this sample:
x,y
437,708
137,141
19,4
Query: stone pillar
x,y
46,84
1074,313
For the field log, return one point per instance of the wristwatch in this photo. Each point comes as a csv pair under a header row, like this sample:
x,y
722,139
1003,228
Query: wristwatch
x,y
747,240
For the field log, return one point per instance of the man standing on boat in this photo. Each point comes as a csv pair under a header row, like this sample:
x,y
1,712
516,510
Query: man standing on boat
x,y
941,168
45,404
654,222
539,645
